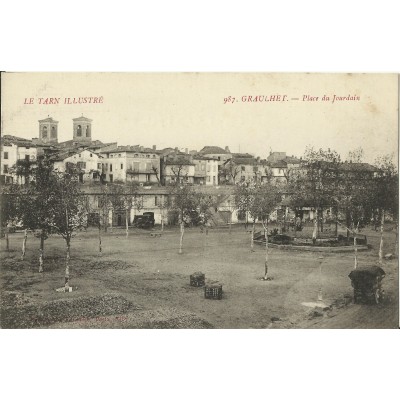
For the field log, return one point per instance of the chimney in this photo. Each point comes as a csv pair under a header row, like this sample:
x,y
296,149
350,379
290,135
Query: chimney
x,y
227,149
154,147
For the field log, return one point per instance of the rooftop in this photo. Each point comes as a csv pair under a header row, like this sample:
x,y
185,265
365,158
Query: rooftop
x,y
213,150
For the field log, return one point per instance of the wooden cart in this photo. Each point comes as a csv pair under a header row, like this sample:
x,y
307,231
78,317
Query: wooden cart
x,y
367,284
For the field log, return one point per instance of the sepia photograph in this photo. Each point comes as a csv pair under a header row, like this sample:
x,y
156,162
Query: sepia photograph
x,y
199,200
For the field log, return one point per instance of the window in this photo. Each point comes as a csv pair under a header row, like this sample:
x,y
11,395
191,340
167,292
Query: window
x,y
91,155
53,132
79,131
110,168
147,177
81,164
6,155
27,157
87,131
5,168
111,177
208,179
135,155
119,155
147,155
44,132
243,168
122,166
98,165
155,200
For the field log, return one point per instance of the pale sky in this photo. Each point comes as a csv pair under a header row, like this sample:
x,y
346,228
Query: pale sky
x,y
188,110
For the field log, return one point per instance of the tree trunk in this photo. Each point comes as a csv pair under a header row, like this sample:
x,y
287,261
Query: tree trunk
x,y
284,221
111,224
162,221
127,223
67,265
105,222
7,239
204,241
315,231
24,244
381,242
355,229
348,222
181,238
41,251
252,236
230,223
396,243
336,224
321,214
99,236
266,251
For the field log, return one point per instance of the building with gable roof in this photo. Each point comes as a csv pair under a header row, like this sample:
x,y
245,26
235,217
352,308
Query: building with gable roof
x,y
87,164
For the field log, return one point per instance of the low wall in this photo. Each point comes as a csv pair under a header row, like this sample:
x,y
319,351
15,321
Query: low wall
x,y
324,249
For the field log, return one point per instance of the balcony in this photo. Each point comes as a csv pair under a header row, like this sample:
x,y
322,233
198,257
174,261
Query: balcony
x,y
136,171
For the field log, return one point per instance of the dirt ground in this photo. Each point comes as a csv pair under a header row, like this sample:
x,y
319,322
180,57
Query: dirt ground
x,y
141,281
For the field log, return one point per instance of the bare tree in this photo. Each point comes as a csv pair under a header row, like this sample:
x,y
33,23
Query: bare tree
x,y
35,201
68,213
316,184
183,201
265,199
386,195
131,200
231,169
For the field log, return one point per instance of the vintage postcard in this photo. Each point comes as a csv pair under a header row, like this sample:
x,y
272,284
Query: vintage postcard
x,y
199,200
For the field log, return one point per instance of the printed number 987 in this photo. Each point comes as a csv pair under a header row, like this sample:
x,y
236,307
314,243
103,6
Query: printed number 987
x,y
229,99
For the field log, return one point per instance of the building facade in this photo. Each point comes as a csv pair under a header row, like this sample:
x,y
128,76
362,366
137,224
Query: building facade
x,y
131,164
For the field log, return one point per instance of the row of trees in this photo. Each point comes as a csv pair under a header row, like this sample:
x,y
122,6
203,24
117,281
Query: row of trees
x,y
48,203
52,203
358,191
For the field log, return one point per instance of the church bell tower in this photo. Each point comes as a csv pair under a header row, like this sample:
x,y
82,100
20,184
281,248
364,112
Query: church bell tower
x,y
48,130
82,129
